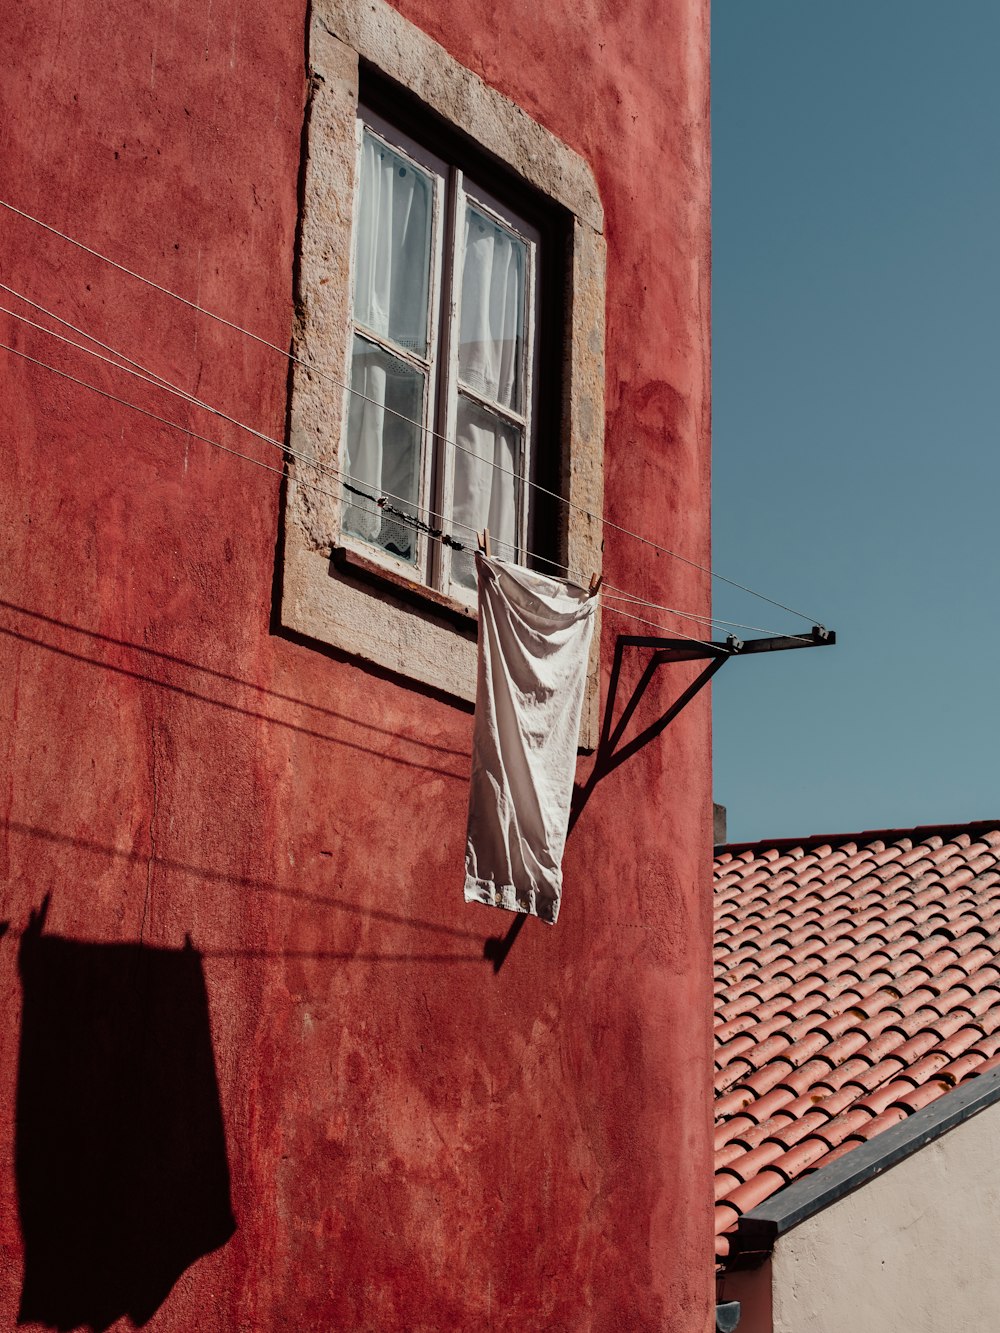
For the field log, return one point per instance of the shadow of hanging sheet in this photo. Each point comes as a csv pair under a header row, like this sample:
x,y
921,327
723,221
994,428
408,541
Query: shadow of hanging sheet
x,y
122,1175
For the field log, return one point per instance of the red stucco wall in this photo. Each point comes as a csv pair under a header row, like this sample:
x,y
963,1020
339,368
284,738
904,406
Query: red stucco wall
x,y
413,1141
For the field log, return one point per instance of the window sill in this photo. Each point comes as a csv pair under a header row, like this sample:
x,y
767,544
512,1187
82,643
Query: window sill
x,y
348,561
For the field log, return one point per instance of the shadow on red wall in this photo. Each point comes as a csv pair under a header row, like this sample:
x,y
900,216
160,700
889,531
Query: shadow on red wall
x,y
121,1166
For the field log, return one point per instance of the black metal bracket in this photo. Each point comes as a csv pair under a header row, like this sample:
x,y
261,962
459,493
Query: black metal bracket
x,y
715,652
690,650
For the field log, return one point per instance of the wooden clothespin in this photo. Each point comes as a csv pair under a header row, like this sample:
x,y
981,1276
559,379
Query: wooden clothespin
x,y
595,584
484,542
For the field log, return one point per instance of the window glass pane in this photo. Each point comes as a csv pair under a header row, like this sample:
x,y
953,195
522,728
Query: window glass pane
x,y
393,246
491,328
486,492
383,451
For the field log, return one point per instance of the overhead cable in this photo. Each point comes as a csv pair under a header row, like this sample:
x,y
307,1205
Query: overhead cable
x,y
410,519
317,370
144,374
619,594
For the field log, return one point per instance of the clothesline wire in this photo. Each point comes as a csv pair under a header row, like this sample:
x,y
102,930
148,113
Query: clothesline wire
x,y
151,377
264,342
617,594
295,481
148,376
718,647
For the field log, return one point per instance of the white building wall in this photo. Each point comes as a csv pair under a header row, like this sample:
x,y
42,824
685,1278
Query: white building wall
x,y
916,1249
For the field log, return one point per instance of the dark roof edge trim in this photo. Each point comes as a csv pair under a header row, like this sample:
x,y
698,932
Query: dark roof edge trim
x,y
918,834
756,1232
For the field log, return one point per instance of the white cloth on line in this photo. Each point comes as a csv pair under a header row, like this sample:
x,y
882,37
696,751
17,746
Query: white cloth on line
x,y
534,645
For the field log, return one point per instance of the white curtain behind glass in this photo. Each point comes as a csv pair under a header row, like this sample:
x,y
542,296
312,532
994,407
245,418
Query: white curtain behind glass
x,y
492,317
489,361
365,423
383,452
392,267
392,261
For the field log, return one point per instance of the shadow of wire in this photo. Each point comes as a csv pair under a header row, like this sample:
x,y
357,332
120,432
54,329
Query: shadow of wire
x,y
187,691
258,885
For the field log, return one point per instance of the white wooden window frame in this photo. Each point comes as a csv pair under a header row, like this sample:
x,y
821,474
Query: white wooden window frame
x,y
466,193
419,636
452,192
418,569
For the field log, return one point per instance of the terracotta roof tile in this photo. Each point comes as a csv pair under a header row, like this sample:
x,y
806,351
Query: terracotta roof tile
x,y
733,1073
816,1042
726,1153
917,1098
857,980
989,1022
752,1163
836,1101
732,1104
800,1157
886,1120
726,1181
929,1067
887,1095
728,1130
763,1080
725,1215
964,1040
755,1191
733,1026
842,1126
837,1153
772,1102
846,1046
790,1132
747,1139
774,1045
949,978
850,1072
987,1045
961,1000
873,1076
805,1076
913,1008
728,1052
985,1067
959,1069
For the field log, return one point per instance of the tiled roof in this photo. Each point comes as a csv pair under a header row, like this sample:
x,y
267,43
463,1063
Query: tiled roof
x,y
856,980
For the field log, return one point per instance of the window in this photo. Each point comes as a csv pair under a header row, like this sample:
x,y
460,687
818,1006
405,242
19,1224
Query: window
x,y
444,354
519,383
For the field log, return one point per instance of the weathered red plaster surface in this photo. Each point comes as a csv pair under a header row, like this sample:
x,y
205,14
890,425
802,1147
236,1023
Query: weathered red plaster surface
x,y
413,1142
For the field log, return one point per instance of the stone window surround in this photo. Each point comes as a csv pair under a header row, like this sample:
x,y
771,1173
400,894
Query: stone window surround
x,y
322,598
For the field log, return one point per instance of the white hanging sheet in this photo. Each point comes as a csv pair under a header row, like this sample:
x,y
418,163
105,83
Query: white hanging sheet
x,y
534,645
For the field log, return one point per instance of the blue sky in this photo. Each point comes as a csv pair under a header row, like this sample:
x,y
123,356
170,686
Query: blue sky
x,y
856,311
